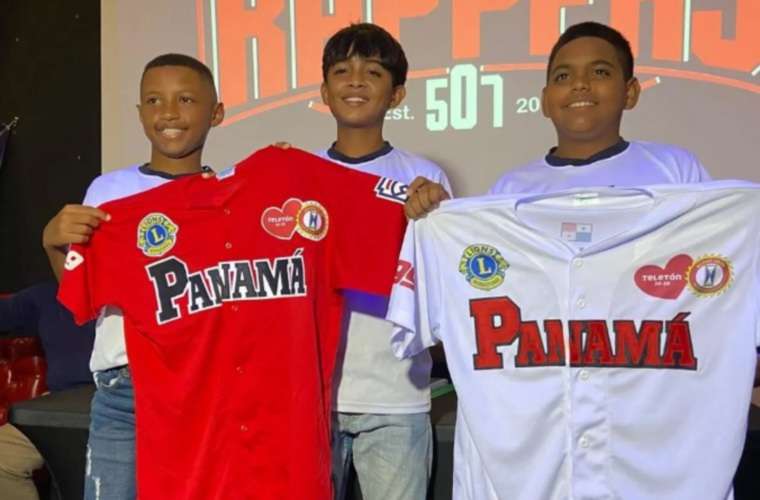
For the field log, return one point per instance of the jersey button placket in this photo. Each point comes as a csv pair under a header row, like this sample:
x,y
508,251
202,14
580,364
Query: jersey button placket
x,y
588,389
226,222
584,392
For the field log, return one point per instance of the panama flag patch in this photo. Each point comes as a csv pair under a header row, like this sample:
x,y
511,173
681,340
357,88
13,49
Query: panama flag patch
x,y
572,231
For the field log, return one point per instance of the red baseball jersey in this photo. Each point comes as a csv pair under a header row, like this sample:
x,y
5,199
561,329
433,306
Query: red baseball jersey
x,y
231,293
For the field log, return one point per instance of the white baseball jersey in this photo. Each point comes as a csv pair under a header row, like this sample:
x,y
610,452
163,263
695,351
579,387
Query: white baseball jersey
x,y
625,164
370,378
602,343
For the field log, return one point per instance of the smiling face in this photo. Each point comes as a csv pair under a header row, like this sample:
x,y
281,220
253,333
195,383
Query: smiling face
x,y
177,108
359,91
585,96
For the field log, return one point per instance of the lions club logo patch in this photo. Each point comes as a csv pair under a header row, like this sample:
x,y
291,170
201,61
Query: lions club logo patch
x,y
483,266
307,218
710,275
156,234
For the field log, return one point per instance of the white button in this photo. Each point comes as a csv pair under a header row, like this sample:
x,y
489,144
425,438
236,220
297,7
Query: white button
x,y
578,262
584,442
584,375
228,245
581,303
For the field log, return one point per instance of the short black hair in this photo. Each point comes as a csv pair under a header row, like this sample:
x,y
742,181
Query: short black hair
x,y
183,60
366,40
596,30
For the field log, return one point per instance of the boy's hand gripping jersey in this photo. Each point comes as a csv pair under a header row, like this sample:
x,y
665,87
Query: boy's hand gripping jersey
x,y
230,289
602,344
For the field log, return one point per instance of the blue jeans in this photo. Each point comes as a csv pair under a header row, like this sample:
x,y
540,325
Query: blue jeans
x,y
110,473
392,455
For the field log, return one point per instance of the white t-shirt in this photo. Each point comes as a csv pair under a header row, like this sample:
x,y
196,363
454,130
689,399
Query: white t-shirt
x,y
370,379
109,350
601,341
625,164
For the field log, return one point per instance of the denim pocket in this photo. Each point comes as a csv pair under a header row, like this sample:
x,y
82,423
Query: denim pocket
x,y
113,379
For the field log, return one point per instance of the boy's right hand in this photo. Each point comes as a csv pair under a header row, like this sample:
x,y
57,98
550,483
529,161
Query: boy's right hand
x,y
72,224
424,196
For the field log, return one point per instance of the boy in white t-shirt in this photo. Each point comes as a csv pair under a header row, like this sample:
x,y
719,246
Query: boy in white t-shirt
x,y
382,421
589,84
178,106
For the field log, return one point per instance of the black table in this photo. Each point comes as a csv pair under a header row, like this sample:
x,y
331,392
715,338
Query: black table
x,y
57,424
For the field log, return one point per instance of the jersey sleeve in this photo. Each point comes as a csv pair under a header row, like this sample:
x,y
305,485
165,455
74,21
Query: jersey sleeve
x,y
414,302
369,228
95,195
95,274
681,165
78,291
443,180
501,186
693,170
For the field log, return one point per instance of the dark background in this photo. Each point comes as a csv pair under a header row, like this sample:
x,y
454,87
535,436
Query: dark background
x,y
50,79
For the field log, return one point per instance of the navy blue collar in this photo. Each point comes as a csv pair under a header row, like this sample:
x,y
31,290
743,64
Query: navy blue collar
x,y
145,169
558,161
338,156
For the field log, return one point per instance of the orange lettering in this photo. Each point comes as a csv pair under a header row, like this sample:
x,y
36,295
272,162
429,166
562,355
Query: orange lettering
x,y
465,20
388,13
313,29
544,23
237,26
667,26
742,53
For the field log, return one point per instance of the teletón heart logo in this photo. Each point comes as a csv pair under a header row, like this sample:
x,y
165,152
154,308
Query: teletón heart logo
x,y
667,282
281,222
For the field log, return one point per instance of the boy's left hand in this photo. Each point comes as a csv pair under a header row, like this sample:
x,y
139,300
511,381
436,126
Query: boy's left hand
x,y
424,196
